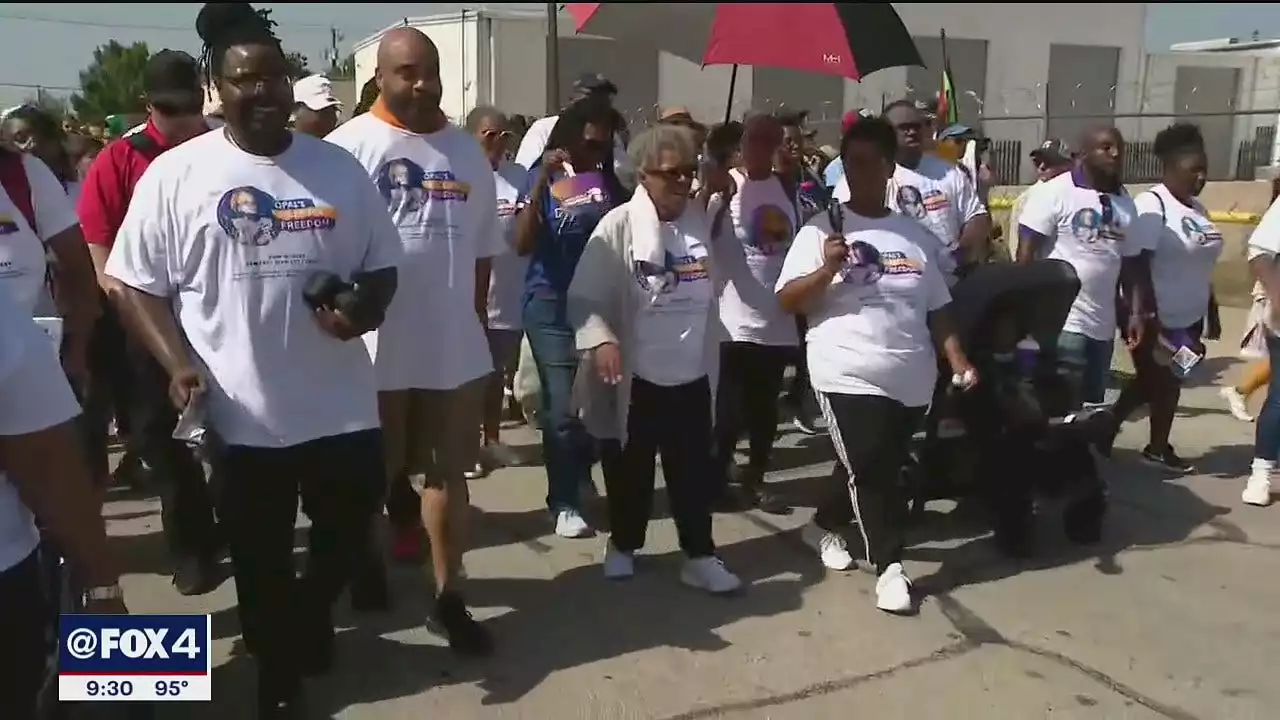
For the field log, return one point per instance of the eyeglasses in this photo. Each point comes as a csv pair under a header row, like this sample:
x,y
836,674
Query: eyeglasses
x,y
489,134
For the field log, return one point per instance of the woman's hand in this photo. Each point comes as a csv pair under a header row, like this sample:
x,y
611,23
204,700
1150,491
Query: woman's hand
x,y
1136,331
964,375
553,161
608,362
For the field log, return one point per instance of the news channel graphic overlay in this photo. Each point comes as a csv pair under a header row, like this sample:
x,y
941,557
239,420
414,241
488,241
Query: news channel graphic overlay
x,y
142,658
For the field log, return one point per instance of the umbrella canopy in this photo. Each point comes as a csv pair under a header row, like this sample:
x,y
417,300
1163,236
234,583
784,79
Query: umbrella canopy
x,y
851,40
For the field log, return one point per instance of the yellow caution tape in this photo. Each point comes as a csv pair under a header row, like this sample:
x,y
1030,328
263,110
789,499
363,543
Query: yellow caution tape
x,y
1226,217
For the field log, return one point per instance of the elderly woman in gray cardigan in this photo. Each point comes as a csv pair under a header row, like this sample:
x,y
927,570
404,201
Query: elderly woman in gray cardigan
x,y
643,304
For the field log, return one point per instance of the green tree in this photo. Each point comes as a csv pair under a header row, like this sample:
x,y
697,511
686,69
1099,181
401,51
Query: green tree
x,y
297,65
112,83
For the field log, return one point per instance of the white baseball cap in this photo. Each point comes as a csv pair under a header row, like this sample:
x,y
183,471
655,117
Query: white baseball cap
x,y
316,92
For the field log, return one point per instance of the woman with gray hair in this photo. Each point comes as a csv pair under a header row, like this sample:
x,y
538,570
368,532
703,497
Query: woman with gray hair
x,y
643,307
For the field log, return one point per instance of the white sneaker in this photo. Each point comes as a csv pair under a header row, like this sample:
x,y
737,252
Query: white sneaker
x,y
709,574
893,591
1236,403
1258,490
831,547
618,564
569,524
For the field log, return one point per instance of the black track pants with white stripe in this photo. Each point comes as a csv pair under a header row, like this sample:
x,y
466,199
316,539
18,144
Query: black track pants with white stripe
x,y
872,436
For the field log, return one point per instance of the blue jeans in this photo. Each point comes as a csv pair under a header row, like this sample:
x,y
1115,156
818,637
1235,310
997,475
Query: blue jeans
x,y
1266,444
1091,360
567,449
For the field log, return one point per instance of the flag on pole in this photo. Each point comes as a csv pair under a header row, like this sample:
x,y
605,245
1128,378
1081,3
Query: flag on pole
x,y
948,112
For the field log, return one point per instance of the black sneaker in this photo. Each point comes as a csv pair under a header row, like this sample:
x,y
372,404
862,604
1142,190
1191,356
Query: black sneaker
x,y
466,636
196,576
1167,459
280,699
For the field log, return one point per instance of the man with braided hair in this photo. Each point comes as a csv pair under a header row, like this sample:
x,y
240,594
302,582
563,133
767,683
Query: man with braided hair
x,y
252,259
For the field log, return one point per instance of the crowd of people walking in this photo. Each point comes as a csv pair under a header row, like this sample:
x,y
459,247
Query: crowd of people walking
x,y
341,307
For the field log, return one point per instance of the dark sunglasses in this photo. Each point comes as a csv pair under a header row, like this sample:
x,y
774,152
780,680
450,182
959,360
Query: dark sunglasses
x,y
675,174
487,134
1108,210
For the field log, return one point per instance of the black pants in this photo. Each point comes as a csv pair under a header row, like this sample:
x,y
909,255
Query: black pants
x,y
872,436
800,388
339,479
747,399
1154,385
25,614
403,504
186,508
676,422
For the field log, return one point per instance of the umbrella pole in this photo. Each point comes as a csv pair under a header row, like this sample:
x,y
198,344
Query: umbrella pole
x,y
733,84
553,59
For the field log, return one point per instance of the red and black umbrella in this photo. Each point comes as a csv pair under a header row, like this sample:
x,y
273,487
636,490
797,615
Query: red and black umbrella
x,y
849,39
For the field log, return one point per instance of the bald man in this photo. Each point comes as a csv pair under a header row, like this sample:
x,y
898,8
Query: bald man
x,y
431,354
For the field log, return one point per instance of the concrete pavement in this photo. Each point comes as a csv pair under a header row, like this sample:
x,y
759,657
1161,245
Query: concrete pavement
x,y
1173,616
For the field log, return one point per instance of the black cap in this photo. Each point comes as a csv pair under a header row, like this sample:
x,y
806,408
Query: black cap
x,y
171,82
1053,152
594,84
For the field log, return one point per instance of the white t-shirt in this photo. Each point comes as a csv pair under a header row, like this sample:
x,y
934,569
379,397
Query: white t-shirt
x,y
34,395
1265,240
754,236
1071,217
439,190
671,328
938,195
506,280
22,249
232,238
534,144
1185,246
869,334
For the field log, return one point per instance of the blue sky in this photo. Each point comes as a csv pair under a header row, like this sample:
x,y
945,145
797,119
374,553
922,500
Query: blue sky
x,y
47,44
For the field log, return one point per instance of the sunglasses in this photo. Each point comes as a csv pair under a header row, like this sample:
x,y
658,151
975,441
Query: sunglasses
x,y
675,174
489,134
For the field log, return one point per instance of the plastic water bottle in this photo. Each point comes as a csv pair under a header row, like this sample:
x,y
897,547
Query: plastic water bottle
x,y
1027,355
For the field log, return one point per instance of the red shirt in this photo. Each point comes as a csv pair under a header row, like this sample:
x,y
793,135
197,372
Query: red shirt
x,y
108,186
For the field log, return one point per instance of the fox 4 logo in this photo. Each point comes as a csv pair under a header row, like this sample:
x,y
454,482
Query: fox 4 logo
x,y
147,644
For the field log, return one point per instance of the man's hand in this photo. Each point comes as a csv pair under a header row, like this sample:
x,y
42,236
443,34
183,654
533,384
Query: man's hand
x,y
834,253
336,324
608,362
186,384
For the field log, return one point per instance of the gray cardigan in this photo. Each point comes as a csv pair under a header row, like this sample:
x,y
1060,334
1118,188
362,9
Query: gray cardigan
x,y
602,306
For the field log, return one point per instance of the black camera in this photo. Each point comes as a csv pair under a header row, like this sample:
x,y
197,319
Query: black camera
x,y
327,291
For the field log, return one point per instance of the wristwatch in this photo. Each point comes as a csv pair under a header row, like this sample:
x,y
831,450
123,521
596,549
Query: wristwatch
x,y
104,593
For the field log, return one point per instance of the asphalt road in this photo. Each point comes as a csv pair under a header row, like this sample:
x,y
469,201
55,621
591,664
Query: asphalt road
x,y
1174,616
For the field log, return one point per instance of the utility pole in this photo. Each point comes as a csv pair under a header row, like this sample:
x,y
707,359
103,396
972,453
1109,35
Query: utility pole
x,y
553,58
331,54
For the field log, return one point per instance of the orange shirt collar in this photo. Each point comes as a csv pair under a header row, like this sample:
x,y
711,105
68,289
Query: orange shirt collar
x,y
380,111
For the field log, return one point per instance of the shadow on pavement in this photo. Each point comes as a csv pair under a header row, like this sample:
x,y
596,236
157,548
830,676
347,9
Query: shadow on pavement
x,y
548,629
1147,510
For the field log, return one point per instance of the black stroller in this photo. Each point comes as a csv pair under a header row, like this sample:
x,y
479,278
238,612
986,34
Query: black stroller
x,y
1022,432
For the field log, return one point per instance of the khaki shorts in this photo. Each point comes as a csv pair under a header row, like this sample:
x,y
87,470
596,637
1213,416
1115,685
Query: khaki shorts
x,y
435,433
